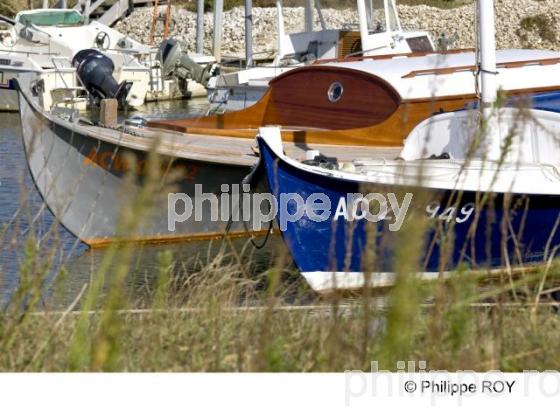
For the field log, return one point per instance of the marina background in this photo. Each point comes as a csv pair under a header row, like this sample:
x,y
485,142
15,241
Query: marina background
x,y
519,23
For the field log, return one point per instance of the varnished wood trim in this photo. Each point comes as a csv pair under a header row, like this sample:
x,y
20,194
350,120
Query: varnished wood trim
x,y
299,98
510,64
357,73
517,64
472,97
98,243
258,114
390,133
390,56
346,41
534,90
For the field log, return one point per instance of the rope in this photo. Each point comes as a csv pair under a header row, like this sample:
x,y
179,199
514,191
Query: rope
x,y
247,180
480,70
477,50
259,246
252,240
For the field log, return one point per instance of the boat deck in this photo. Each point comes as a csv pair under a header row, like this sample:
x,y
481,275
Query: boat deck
x,y
220,149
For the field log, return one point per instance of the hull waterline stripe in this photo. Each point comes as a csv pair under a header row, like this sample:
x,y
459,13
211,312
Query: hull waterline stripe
x,y
325,282
97,243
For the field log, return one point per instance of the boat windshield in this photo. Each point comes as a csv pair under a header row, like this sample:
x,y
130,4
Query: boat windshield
x,y
53,18
380,14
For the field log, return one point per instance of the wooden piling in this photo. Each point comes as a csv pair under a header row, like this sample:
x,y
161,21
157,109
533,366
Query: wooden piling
x,y
248,33
218,20
308,15
200,26
108,112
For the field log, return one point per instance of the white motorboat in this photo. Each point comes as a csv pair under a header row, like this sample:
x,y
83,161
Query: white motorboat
x,y
51,38
57,85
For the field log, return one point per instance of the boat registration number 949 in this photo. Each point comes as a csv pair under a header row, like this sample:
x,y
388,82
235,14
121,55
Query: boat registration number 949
x,y
450,213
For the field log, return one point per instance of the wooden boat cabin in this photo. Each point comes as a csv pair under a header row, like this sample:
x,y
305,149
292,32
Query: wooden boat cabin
x,y
375,101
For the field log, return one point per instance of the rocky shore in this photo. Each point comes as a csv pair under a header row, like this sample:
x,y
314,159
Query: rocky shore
x,y
519,23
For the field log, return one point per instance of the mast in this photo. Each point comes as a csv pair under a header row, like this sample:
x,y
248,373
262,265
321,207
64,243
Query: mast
x,y
487,77
487,52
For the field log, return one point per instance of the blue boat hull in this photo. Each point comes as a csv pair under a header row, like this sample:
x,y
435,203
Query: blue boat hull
x,y
502,229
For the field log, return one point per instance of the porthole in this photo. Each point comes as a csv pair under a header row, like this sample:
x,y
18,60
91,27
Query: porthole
x,y
335,92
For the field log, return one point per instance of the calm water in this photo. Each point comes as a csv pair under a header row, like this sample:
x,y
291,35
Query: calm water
x,y
23,216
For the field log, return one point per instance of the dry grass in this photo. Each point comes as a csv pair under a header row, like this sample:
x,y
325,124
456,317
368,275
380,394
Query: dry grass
x,y
219,320
224,316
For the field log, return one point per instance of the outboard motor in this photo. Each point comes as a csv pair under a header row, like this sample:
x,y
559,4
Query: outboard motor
x,y
175,63
95,71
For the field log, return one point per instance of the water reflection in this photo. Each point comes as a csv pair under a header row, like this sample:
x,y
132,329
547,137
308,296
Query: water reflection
x,y
187,258
23,215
